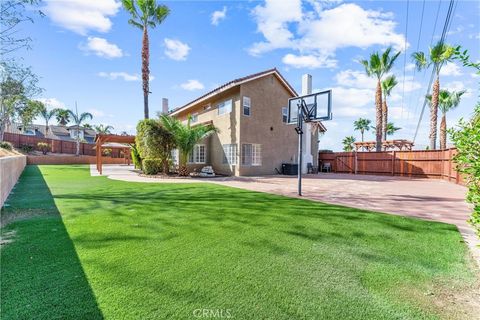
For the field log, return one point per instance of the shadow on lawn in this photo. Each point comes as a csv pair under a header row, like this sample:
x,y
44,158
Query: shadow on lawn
x,y
42,276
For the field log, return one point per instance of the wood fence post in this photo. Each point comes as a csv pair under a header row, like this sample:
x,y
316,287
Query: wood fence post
x,y
393,163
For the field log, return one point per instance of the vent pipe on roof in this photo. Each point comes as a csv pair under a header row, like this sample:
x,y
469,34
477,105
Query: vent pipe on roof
x,y
164,105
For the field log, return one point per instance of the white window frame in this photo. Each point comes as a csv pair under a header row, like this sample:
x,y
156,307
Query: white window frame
x,y
247,106
222,109
251,154
230,154
197,156
284,114
194,117
175,157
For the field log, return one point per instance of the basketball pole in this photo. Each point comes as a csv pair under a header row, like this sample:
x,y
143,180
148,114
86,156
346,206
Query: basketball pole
x,y
300,150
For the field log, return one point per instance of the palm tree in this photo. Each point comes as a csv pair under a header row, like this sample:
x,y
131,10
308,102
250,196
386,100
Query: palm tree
x,y
377,67
362,125
348,143
47,116
185,137
78,120
391,129
387,85
446,101
144,14
62,116
438,56
103,129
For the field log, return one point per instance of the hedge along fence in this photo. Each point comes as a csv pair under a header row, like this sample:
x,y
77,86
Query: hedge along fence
x,y
437,164
72,159
56,146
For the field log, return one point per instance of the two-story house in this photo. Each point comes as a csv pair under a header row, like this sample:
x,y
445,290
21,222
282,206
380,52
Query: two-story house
x,y
251,115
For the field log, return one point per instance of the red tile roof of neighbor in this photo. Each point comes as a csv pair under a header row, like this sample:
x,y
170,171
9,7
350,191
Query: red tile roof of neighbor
x,y
237,82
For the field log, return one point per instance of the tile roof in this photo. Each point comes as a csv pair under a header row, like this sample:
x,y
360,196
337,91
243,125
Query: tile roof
x,y
234,83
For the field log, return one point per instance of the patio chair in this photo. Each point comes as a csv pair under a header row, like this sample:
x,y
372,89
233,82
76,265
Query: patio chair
x,y
327,167
311,168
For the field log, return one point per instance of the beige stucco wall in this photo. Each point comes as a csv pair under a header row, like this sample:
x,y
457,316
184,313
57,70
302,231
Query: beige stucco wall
x,y
10,170
279,141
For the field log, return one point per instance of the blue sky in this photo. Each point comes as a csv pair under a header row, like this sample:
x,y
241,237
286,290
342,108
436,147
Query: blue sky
x,y
85,51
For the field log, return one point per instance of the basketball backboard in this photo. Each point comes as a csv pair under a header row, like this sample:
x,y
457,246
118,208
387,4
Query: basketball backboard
x,y
316,106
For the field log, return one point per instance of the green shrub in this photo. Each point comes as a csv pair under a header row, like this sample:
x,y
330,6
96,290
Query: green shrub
x,y
152,166
137,161
467,141
106,152
44,147
154,141
6,145
26,148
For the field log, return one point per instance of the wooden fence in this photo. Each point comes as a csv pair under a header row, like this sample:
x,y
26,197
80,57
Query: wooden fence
x,y
56,146
437,164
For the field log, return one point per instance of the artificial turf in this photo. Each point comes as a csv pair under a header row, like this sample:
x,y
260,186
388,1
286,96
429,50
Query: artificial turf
x,y
85,247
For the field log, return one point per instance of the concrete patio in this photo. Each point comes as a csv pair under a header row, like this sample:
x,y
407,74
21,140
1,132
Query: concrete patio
x,y
427,199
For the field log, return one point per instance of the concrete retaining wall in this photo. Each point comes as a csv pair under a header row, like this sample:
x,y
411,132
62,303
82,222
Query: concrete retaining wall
x,y
10,170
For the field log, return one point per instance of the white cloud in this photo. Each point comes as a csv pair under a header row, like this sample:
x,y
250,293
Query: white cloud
x,y
410,67
81,16
192,85
450,69
218,16
96,113
175,49
122,75
319,33
102,48
356,79
308,61
52,103
457,86
352,102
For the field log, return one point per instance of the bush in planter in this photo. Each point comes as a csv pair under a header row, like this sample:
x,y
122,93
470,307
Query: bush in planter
x,y
6,145
26,148
137,160
152,166
106,152
44,147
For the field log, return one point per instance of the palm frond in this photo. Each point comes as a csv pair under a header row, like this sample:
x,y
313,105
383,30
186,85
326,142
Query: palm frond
x,y
420,60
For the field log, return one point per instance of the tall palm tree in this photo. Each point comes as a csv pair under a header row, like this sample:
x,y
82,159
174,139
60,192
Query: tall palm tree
x,y
104,129
145,14
186,137
446,101
437,57
362,125
387,85
348,143
78,120
62,116
47,116
377,66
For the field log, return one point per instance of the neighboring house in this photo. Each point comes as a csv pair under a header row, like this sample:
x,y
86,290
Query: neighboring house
x,y
251,115
66,133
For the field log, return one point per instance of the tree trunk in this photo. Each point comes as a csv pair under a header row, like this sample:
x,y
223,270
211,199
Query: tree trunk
x,y
182,168
2,130
145,71
78,148
362,134
443,132
378,107
434,114
384,118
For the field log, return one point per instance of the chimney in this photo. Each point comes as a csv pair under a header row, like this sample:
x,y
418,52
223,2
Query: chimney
x,y
306,84
164,105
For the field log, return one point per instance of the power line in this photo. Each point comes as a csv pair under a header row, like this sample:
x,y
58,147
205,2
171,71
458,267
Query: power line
x,y
446,26
405,60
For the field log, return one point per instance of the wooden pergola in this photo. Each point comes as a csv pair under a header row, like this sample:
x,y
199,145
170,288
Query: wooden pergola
x,y
398,144
102,139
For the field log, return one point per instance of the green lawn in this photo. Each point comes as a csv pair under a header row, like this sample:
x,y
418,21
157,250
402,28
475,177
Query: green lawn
x,y
89,247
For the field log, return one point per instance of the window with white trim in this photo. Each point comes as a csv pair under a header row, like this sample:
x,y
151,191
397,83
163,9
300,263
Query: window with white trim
x,y
251,154
246,106
225,107
194,117
198,154
229,154
284,114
